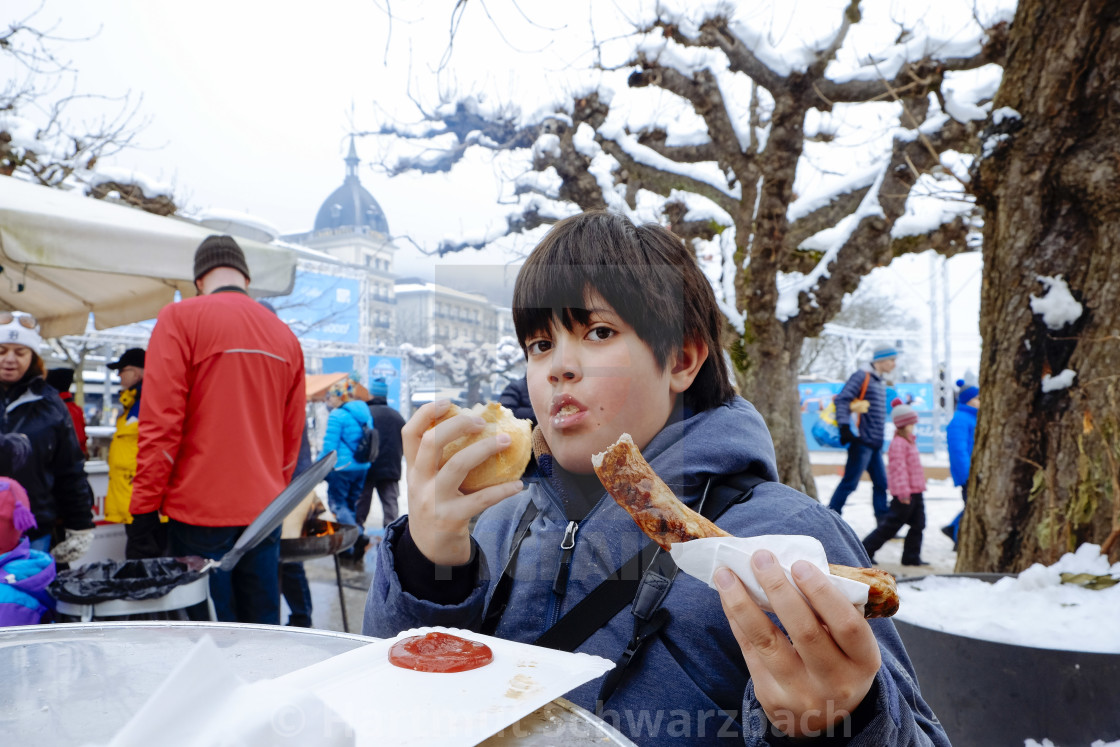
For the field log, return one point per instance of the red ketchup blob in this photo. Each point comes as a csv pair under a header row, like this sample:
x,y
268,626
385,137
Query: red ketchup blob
x,y
439,652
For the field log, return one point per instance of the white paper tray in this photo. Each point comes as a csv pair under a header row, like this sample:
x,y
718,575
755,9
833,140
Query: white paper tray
x,y
385,704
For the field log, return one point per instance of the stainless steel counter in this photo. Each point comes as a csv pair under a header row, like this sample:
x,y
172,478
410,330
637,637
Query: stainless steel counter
x,y
72,684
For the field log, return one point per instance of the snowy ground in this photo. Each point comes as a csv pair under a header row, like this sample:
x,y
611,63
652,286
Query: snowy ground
x,y
942,501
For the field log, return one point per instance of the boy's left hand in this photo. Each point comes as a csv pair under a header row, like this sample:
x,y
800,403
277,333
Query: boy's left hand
x,y
812,680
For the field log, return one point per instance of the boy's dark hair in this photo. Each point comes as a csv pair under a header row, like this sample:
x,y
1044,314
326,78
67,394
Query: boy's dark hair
x,y
644,272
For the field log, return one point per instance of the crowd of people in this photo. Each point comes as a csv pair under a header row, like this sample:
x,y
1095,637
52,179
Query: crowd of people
x,y
621,333
187,469
861,413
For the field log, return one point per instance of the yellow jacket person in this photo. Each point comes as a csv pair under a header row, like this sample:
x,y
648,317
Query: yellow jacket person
x,y
124,446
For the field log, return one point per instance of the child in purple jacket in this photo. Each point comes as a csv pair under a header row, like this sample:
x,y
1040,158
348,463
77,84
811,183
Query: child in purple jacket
x,y
907,482
26,572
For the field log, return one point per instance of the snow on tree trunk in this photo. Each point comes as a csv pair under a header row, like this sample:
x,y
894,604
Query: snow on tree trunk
x,y
1046,465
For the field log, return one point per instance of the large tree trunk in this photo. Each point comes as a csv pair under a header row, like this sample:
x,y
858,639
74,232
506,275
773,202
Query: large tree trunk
x,y
1045,475
766,374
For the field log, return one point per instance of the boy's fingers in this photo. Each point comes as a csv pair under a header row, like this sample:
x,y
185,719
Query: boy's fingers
x,y
769,642
413,431
847,630
435,438
749,624
806,622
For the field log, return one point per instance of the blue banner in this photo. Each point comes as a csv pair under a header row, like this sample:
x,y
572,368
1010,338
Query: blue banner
x,y
321,307
815,397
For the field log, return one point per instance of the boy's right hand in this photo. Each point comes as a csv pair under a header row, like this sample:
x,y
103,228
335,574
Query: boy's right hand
x,y
439,514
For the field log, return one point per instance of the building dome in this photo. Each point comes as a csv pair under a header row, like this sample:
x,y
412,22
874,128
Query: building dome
x,y
351,206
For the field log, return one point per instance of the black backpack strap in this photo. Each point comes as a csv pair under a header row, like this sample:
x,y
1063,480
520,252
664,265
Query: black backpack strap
x,y
645,589
500,598
649,616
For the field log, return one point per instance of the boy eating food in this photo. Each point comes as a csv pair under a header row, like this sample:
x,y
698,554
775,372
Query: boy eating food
x,y
621,333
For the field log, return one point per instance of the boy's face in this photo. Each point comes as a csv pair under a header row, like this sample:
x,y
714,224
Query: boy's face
x,y
591,385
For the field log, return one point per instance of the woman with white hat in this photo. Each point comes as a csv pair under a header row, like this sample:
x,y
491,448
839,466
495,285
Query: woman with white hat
x,y
54,473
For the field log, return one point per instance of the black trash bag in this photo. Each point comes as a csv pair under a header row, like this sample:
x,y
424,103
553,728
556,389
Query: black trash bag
x,y
129,579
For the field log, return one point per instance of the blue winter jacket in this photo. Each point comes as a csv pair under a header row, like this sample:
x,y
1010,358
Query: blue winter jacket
x,y
960,436
872,423
670,691
344,430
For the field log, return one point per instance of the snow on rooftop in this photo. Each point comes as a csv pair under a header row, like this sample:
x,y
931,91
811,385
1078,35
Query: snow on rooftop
x,y
1057,306
151,187
232,220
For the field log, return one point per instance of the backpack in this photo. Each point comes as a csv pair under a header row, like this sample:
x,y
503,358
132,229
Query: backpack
x,y
365,451
825,430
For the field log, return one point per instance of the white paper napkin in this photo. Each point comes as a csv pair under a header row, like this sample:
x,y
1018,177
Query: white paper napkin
x,y
702,557
204,703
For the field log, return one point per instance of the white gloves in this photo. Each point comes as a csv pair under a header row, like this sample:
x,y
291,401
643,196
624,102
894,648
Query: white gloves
x,y
74,546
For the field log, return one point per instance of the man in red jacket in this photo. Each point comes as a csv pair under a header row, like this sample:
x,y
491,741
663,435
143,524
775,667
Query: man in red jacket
x,y
220,426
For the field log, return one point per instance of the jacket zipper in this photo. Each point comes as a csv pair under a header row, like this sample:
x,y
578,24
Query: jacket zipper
x,y
560,583
567,551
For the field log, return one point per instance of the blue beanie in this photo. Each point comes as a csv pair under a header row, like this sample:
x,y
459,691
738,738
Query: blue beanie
x,y
378,388
968,393
883,353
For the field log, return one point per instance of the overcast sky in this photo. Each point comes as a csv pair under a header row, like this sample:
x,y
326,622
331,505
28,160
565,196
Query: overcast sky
x,y
249,104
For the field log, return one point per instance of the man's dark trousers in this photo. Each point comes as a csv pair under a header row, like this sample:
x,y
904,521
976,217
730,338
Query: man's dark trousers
x,y
250,593
863,458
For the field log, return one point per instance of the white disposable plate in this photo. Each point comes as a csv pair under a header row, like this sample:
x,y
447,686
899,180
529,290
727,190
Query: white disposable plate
x,y
385,704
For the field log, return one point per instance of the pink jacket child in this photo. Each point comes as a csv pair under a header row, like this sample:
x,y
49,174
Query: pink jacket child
x,y
905,475
906,481
25,574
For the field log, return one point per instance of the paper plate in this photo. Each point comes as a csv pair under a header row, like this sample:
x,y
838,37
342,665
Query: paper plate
x,y
385,704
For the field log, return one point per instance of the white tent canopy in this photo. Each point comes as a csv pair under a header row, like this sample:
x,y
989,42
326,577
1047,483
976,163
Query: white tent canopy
x,y
64,256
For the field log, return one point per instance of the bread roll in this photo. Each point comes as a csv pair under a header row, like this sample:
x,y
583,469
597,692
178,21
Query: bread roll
x,y
505,466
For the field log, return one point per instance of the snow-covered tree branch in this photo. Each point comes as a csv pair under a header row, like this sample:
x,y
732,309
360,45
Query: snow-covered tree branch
x,y
793,166
468,364
43,138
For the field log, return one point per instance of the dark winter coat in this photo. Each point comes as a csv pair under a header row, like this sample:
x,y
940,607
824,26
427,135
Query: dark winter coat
x,y
960,436
516,398
388,423
872,424
54,473
671,690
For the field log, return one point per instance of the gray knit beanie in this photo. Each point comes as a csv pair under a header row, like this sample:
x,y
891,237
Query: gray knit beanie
x,y
219,251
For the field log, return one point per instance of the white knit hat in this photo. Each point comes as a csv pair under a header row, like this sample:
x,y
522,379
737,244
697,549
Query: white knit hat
x,y
14,333
902,414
